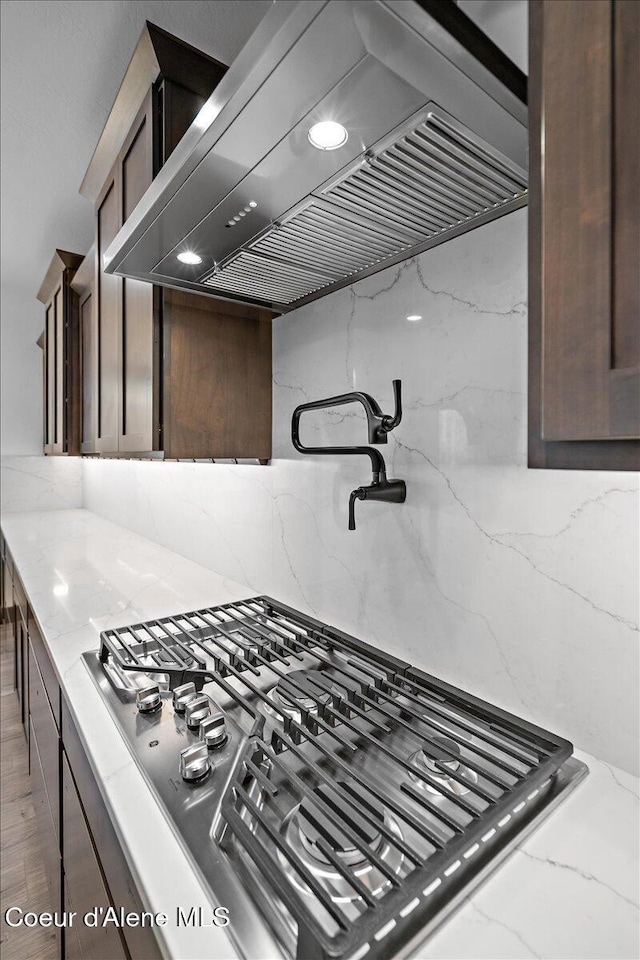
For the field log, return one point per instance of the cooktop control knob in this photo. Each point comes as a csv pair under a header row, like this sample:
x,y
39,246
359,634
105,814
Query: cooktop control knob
x,y
196,710
148,698
213,729
182,695
194,762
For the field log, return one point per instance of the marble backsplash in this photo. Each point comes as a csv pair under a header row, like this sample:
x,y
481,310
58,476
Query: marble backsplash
x,y
40,483
519,585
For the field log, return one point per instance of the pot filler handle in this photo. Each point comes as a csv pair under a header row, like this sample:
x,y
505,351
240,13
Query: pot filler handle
x,y
379,425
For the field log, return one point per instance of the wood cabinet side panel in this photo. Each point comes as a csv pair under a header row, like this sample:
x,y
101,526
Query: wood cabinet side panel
x,y
179,109
217,379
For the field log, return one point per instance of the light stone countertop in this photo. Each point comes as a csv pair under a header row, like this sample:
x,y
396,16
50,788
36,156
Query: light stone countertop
x,y
569,891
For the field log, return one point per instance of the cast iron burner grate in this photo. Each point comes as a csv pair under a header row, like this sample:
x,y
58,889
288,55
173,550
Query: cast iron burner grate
x,y
366,807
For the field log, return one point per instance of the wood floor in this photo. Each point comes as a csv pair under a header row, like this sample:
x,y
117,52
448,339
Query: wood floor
x,y
23,883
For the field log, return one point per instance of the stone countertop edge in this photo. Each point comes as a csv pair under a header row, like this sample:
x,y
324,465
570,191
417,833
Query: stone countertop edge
x,y
569,890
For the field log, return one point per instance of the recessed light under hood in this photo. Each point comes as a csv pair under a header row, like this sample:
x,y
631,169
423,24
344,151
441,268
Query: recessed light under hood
x,y
436,146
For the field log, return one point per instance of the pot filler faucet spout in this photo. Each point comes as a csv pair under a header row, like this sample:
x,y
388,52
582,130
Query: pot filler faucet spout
x,y
379,426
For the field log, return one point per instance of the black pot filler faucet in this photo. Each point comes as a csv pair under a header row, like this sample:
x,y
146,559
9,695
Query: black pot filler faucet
x,y
379,425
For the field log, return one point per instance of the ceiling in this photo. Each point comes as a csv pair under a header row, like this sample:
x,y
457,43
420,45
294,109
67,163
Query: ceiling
x,y
62,64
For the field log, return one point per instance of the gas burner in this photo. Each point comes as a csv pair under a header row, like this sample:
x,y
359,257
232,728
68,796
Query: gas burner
x,y
313,835
242,648
438,757
167,657
316,829
298,691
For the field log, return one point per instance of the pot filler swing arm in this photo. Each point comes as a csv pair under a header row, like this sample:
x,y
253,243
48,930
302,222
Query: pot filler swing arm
x,y
379,426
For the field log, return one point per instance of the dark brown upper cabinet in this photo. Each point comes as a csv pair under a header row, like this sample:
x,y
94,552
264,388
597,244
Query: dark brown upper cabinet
x,y
61,407
83,285
166,373
584,241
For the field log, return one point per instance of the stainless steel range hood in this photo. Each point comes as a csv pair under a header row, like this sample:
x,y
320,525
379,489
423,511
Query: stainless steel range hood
x,y
436,146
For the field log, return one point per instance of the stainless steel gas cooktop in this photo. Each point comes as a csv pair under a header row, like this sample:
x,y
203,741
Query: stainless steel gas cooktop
x,y
339,800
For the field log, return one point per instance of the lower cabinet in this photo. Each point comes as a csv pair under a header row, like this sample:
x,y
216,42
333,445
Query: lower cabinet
x,y
44,727
44,770
4,576
47,828
21,643
8,607
85,889
139,942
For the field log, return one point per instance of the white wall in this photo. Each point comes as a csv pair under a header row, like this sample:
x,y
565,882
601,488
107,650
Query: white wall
x,y
520,585
21,323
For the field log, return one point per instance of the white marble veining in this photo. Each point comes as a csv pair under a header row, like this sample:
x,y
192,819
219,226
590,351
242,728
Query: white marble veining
x,y
40,483
570,891
579,857
521,585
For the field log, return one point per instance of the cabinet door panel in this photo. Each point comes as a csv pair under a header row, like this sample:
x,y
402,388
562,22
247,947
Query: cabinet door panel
x,y
60,411
141,941
62,401
136,388
590,299
584,234
44,819
84,881
625,383
49,375
137,333
576,217
72,946
89,373
109,292
46,731
22,669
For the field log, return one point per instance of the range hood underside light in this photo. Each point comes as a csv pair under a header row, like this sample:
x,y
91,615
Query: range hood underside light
x,y
328,135
189,257
432,178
